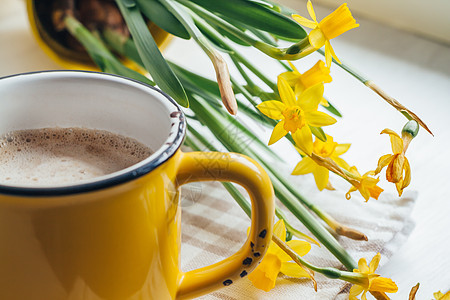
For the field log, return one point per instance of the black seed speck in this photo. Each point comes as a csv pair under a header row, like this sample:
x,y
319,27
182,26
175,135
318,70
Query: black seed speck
x,y
256,254
175,114
252,245
244,273
263,234
247,261
227,282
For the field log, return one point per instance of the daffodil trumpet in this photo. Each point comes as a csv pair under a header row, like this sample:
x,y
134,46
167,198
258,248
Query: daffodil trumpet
x,y
335,24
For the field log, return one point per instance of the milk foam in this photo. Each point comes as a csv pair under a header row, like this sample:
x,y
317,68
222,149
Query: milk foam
x,y
63,156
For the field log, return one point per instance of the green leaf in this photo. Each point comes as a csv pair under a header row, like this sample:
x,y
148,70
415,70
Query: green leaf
x,y
158,14
152,58
253,14
319,133
203,83
101,56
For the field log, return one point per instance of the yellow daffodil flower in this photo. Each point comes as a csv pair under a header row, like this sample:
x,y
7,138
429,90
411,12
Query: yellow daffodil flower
x,y
366,185
440,296
398,170
296,114
276,261
319,73
373,282
335,24
329,149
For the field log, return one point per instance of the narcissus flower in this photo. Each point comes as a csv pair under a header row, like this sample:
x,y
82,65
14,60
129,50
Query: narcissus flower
x,y
335,24
440,296
398,170
296,114
276,261
319,73
329,149
366,185
371,282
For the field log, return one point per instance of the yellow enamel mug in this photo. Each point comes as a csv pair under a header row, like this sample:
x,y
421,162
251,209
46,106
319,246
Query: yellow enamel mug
x,y
116,236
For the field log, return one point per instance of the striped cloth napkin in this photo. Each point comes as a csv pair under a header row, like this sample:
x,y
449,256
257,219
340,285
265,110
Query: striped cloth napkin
x,y
214,227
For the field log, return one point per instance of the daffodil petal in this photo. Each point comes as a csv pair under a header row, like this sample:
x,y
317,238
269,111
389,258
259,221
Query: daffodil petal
x,y
331,51
364,192
374,263
446,296
286,93
311,12
310,98
324,102
383,162
396,140
396,171
295,70
341,149
341,163
362,265
317,39
321,176
382,284
303,139
273,109
293,270
407,179
355,290
348,195
277,133
319,119
305,166
304,21
396,144
291,77
328,57
279,230
300,247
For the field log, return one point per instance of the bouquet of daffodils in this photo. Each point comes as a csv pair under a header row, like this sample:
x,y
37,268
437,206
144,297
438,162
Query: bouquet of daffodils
x,y
292,105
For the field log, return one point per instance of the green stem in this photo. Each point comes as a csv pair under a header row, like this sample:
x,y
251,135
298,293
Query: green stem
x,y
204,26
242,72
347,69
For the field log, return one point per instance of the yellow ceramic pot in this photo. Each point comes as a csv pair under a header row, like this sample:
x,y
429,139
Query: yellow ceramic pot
x,y
39,18
117,236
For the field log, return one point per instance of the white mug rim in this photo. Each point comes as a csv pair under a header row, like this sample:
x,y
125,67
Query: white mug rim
x,y
159,157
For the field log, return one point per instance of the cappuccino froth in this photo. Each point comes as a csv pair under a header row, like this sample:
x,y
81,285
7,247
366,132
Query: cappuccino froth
x,y
63,156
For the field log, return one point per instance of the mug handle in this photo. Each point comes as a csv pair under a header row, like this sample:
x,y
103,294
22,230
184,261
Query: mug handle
x,y
212,166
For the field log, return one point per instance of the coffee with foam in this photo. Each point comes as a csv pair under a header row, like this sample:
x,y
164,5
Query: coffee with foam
x,y
63,156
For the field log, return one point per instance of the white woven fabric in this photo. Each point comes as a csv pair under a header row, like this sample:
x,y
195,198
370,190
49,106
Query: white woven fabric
x,y
214,227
